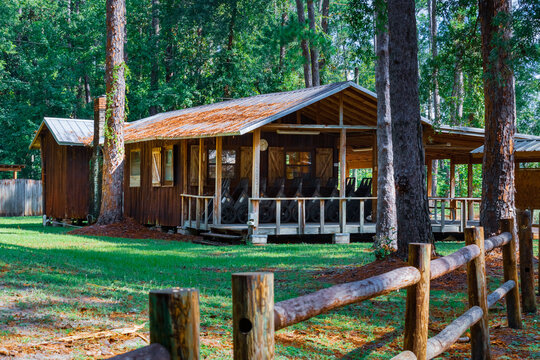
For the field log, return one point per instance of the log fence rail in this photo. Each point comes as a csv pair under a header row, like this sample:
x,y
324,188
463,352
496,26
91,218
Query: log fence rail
x,y
174,313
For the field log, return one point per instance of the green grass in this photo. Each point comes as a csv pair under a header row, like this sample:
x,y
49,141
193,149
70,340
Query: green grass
x,y
54,284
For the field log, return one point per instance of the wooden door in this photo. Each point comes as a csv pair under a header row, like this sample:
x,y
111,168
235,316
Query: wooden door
x,y
194,166
276,164
246,161
323,163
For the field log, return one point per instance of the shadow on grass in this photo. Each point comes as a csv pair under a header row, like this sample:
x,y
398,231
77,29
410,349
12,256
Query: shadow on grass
x,y
365,352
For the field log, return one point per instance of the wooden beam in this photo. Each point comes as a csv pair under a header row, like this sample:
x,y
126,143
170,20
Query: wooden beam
x,y
470,210
217,195
200,184
256,171
374,176
453,187
429,164
341,109
342,175
334,128
184,157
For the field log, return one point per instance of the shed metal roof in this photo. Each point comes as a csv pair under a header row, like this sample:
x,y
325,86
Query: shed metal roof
x,y
520,145
234,117
74,132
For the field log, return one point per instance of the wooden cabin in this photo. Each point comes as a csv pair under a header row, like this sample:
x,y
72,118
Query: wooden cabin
x,y
65,159
273,164
66,150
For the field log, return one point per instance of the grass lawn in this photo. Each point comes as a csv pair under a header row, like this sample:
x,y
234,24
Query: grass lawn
x,y
54,285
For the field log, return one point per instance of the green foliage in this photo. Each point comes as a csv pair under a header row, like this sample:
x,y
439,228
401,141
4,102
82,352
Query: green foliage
x,y
52,58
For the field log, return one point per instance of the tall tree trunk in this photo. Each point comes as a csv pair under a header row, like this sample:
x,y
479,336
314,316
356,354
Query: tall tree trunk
x,y
304,44
435,173
284,18
498,164
314,51
230,43
113,151
411,194
457,94
154,73
386,191
87,93
432,9
325,12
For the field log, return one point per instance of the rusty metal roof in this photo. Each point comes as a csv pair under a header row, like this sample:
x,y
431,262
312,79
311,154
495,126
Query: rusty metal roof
x,y
233,117
531,144
73,132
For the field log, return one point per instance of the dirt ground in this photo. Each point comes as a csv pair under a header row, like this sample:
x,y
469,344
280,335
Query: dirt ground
x,y
131,229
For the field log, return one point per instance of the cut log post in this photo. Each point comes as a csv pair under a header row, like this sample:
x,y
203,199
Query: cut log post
x,y
417,313
513,305
500,293
253,316
150,352
497,241
449,263
175,321
292,311
450,334
405,355
477,289
526,269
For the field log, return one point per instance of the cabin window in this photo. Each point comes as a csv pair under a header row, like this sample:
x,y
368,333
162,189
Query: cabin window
x,y
135,168
297,163
156,166
168,164
228,163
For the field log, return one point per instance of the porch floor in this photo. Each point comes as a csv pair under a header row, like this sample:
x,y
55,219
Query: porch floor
x,y
329,228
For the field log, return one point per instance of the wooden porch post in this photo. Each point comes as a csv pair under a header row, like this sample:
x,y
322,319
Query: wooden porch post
x,y
184,157
255,178
374,176
200,183
470,189
452,188
429,165
342,179
217,195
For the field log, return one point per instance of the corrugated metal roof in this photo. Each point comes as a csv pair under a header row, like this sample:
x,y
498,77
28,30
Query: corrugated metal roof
x,y
233,117
479,132
74,132
520,145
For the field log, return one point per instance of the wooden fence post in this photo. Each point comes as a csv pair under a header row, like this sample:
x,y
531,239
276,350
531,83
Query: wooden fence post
x,y
253,315
526,269
513,306
417,313
477,289
175,320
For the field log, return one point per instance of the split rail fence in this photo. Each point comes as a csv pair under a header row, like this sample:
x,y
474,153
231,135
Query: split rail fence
x,y
175,316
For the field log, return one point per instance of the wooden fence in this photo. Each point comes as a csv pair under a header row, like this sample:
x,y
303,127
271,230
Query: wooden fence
x,y
174,313
20,197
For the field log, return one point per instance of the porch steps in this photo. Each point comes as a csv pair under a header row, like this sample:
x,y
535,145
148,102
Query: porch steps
x,y
232,236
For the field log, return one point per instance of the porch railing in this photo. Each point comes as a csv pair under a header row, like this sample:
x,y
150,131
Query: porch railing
x,y
462,205
254,203
187,201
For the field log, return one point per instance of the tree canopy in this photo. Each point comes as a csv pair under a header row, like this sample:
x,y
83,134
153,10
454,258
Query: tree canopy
x,y
52,58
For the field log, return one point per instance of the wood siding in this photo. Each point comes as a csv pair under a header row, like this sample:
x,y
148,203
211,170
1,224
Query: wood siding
x,y
527,188
65,179
20,197
150,204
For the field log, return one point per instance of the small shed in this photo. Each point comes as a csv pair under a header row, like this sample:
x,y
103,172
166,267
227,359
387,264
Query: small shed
x,y
65,157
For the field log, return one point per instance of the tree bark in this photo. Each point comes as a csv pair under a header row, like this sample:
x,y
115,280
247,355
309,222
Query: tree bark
x,y
314,51
498,162
304,44
230,44
113,152
411,194
325,12
457,94
154,73
284,19
432,9
386,191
